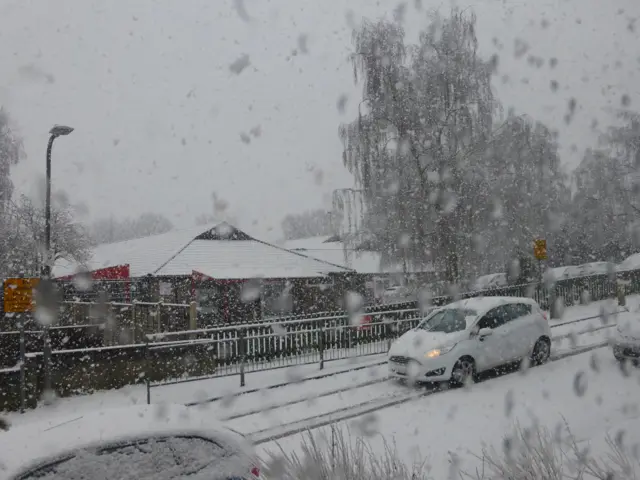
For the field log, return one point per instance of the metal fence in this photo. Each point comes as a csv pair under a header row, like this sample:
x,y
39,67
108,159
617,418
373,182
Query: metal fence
x,y
248,348
113,323
177,357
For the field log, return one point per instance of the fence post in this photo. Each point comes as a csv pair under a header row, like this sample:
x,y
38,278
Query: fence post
x,y
622,301
387,332
321,343
242,339
193,316
147,380
134,328
46,357
23,366
159,328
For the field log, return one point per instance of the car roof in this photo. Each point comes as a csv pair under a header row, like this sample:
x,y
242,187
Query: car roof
x,y
484,304
34,444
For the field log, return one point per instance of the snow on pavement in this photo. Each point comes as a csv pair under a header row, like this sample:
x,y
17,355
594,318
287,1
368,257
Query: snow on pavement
x,y
588,391
215,387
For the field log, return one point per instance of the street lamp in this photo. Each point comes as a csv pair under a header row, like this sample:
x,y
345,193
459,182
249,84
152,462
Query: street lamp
x,y
55,132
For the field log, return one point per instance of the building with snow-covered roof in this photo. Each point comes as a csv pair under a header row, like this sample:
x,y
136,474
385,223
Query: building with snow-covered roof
x,y
368,264
212,265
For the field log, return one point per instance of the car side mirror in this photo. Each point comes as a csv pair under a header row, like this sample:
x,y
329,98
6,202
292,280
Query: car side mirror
x,y
484,332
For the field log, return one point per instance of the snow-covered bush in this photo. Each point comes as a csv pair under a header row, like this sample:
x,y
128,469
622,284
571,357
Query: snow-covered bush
x,y
532,453
537,454
336,454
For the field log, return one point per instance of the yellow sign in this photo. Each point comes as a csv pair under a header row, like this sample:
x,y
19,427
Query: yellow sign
x,y
540,249
18,294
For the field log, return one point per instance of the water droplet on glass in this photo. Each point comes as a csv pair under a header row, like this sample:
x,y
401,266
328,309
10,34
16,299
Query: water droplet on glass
x,y
251,291
82,280
580,384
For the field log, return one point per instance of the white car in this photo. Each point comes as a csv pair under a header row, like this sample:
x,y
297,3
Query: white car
x,y
626,339
459,340
148,442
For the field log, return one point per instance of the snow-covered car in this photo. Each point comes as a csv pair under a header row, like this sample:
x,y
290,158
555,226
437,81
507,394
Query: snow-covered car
x,y
626,339
493,280
147,442
455,342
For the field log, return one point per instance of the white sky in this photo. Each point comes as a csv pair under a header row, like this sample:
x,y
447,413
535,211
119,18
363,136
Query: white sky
x,y
158,113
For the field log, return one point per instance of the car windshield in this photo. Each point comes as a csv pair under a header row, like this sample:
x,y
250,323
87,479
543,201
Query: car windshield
x,y
448,320
170,458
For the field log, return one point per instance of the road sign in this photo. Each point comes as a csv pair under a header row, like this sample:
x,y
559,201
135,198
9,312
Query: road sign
x,y
18,294
540,249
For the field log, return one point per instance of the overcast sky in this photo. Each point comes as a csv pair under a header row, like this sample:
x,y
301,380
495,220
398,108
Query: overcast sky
x,y
159,113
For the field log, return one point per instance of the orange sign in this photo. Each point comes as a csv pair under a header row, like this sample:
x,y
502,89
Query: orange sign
x,y
540,249
18,294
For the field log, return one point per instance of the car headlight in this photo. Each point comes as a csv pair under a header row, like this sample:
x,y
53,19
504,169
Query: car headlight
x,y
436,352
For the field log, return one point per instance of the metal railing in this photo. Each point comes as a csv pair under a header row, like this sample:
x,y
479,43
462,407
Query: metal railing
x,y
249,348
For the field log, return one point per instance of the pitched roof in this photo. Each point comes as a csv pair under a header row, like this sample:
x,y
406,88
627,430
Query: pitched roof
x,y
245,259
217,250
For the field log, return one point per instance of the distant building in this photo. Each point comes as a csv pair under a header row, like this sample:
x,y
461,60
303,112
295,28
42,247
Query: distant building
x,y
367,264
231,275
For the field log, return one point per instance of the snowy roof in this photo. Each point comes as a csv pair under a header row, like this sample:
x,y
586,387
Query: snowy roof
x,y
240,259
630,263
362,261
35,444
200,248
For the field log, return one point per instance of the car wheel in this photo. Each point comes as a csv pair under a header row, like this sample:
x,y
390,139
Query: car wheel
x,y
541,351
464,371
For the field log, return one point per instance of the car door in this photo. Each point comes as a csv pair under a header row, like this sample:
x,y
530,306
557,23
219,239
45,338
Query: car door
x,y
491,349
523,331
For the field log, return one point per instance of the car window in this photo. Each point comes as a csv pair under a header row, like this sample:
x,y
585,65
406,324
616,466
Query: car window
x,y
517,310
448,320
495,317
170,458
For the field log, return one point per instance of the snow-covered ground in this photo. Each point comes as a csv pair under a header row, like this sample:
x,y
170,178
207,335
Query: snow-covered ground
x,y
587,391
216,387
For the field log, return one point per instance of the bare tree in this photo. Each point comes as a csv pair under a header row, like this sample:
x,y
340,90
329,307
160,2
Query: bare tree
x,y
11,152
109,230
25,236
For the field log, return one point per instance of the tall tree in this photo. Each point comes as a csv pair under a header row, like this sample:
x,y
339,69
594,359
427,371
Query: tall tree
x,y
428,111
11,152
606,204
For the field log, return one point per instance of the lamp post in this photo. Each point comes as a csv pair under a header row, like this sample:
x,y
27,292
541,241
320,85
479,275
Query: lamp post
x,y
55,132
